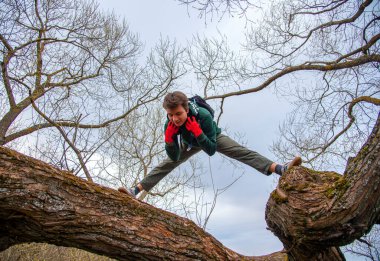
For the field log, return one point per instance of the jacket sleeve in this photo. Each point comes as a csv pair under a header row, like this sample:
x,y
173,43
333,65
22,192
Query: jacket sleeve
x,y
207,140
172,149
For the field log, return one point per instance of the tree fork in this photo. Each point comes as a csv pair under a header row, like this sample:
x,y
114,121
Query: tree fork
x,y
313,212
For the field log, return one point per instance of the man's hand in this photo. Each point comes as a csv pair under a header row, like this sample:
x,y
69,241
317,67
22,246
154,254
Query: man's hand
x,y
171,130
193,126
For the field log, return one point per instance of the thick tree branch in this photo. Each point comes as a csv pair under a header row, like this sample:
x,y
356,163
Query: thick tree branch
x,y
351,19
364,49
6,44
40,203
4,73
323,210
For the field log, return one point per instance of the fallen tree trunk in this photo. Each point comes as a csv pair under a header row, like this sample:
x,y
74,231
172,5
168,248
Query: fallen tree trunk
x,y
313,213
39,203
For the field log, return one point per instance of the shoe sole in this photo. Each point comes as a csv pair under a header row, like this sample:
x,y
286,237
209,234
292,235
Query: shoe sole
x,y
295,162
125,191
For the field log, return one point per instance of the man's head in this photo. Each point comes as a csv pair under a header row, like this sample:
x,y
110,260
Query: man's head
x,y
176,105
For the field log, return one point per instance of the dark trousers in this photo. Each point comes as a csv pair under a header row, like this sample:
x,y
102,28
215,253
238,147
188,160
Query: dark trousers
x,y
224,145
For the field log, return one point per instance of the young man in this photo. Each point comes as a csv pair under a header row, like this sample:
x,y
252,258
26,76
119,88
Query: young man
x,y
190,129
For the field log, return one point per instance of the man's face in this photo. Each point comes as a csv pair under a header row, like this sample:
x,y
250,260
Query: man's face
x,y
178,115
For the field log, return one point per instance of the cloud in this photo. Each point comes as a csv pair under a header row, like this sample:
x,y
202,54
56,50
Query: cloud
x,y
240,225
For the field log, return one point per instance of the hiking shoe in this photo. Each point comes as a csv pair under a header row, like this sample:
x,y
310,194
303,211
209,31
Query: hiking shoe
x,y
127,191
295,162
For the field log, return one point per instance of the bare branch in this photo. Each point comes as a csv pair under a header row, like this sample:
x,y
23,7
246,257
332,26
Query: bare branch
x,y
71,144
309,66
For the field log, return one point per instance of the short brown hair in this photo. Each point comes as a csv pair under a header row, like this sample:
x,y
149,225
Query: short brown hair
x,y
173,99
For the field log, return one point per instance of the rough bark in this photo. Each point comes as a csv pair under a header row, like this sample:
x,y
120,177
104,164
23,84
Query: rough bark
x,y
315,212
39,203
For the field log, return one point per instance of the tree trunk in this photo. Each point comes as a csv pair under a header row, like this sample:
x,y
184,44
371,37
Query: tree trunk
x,y
39,203
315,212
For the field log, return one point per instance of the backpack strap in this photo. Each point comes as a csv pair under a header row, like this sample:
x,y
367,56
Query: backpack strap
x,y
194,108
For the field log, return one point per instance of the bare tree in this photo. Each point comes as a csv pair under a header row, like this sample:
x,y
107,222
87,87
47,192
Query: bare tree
x,y
209,8
367,246
80,67
329,52
313,213
213,63
133,147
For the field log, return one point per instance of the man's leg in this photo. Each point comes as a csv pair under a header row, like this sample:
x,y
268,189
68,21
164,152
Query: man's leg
x,y
232,149
164,168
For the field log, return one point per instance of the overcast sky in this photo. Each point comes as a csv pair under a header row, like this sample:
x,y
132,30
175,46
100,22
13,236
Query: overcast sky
x,y
239,218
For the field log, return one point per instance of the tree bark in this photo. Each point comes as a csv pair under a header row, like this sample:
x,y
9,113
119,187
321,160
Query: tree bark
x,y
313,212
39,203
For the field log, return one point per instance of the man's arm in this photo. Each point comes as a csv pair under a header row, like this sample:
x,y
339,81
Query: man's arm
x,y
207,140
